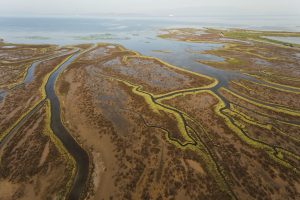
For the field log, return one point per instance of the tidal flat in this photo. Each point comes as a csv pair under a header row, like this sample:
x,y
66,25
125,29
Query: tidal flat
x,y
103,121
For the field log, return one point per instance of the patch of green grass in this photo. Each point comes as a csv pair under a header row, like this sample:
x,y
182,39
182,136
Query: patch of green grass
x,y
259,35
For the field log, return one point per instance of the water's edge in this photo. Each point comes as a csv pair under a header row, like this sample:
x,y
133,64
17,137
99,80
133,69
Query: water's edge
x,y
80,155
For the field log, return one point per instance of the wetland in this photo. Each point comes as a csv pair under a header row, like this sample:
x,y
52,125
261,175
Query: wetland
x,y
175,113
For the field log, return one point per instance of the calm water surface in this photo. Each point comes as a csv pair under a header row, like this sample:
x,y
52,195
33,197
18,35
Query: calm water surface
x,y
138,35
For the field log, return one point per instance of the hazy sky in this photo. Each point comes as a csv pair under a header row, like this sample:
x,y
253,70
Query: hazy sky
x,y
150,7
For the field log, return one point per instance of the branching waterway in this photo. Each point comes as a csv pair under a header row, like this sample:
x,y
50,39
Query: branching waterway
x,y
181,54
73,148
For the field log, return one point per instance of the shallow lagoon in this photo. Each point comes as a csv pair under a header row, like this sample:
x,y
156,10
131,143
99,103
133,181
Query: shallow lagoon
x,y
137,34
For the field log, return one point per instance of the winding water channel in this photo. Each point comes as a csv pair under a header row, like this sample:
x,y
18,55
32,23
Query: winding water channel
x,y
80,155
74,149
142,38
27,80
182,54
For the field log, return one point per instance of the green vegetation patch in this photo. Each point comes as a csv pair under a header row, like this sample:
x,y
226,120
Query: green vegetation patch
x,y
242,34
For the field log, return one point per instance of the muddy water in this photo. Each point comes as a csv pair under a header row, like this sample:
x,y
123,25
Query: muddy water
x,y
80,156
